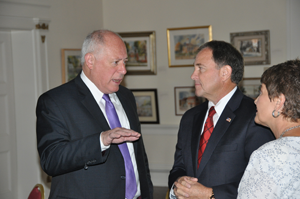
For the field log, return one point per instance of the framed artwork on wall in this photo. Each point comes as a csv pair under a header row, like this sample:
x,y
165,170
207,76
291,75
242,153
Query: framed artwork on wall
x,y
254,46
70,64
147,105
141,51
250,87
185,99
183,44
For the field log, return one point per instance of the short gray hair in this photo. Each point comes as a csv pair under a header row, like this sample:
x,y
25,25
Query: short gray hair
x,y
92,42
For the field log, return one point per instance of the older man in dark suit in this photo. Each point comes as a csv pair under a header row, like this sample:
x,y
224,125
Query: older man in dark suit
x,y
216,138
88,131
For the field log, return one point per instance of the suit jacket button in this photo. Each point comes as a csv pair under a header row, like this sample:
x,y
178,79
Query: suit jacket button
x,y
123,177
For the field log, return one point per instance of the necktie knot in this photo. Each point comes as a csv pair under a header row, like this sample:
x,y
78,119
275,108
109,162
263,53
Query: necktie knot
x,y
106,97
212,111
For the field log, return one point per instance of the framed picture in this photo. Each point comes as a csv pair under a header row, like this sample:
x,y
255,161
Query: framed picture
x,y
183,44
70,64
250,86
147,106
185,99
254,46
141,52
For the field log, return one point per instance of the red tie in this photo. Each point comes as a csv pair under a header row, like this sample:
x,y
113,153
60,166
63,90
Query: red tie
x,y
208,129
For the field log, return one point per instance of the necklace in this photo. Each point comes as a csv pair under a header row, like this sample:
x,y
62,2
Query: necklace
x,y
294,127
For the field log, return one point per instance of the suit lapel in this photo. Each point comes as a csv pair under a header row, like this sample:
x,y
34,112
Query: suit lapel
x,y
225,120
91,105
131,115
88,101
128,109
219,130
196,134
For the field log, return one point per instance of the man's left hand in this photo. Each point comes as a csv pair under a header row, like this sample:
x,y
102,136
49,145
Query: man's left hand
x,y
195,190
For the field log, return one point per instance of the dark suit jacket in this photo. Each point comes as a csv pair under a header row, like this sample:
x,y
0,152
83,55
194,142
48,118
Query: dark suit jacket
x,y
228,149
69,123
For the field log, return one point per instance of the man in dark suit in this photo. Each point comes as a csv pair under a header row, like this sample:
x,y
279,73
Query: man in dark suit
x,y
75,141
211,156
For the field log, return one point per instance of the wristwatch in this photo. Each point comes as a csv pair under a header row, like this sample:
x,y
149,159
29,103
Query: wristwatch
x,y
212,196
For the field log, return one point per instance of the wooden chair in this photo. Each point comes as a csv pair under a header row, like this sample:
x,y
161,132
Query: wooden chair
x,y
37,192
167,194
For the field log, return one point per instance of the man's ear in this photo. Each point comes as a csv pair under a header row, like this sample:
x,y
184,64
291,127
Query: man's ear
x,y
89,60
225,72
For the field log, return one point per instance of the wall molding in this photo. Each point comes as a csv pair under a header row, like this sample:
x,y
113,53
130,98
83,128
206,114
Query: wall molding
x,y
29,2
23,15
160,129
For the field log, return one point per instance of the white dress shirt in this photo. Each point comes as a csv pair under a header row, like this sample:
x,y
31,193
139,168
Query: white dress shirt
x,y
97,94
219,107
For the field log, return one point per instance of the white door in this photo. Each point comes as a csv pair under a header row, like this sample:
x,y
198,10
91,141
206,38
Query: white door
x,y
8,163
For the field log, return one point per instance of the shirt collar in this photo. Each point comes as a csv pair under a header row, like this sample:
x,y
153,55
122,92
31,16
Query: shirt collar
x,y
97,94
219,107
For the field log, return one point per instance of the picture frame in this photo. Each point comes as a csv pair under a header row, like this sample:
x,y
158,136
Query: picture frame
x,y
70,63
253,45
185,98
141,51
147,105
250,86
183,44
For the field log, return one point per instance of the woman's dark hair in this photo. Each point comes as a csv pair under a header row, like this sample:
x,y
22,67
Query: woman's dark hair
x,y
284,79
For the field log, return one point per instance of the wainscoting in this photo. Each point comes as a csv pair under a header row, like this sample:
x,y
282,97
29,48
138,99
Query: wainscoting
x,y
160,141
160,192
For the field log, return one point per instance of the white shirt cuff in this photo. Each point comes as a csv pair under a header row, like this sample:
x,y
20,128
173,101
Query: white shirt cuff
x,y
102,146
171,194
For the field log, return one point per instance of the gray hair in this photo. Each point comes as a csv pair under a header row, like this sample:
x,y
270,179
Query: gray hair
x,y
93,41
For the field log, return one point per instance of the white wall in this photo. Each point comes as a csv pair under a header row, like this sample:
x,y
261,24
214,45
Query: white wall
x,y
293,29
71,21
225,16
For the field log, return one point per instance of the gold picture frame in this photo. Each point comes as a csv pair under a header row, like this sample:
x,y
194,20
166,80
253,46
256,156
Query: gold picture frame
x,y
253,45
70,64
185,99
183,44
141,51
250,86
147,105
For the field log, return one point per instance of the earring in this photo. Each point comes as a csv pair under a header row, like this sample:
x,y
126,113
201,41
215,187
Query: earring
x,y
275,116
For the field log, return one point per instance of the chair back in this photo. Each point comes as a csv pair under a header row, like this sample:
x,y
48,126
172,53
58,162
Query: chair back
x,y
37,192
167,194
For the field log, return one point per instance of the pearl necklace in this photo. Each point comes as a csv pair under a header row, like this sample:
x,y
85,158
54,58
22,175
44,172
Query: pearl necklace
x,y
294,127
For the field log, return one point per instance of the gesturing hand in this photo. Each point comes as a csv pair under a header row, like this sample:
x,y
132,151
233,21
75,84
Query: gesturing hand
x,y
119,135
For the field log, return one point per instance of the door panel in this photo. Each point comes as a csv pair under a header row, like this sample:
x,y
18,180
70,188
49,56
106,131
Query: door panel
x,y
8,171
